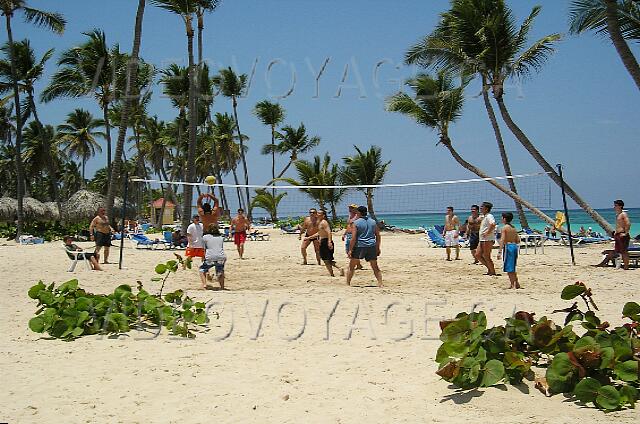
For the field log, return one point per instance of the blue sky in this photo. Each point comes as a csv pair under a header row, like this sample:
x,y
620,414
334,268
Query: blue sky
x,y
581,110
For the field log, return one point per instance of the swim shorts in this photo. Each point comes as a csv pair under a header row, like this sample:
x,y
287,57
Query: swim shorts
x,y
510,257
207,265
240,237
366,253
474,240
102,239
451,238
326,253
621,242
194,252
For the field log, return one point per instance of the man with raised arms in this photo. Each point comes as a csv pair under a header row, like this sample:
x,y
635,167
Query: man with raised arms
x,y
208,215
309,227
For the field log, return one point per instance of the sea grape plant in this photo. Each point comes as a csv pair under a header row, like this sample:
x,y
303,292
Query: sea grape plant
x,y
68,311
599,366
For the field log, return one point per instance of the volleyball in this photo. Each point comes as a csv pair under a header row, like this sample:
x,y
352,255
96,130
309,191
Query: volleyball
x,y
211,180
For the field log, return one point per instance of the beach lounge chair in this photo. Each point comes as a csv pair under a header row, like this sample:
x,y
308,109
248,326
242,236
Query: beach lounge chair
x,y
75,257
258,236
289,230
435,239
144,241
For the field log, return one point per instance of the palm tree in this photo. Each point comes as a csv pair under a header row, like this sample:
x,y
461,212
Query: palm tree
x,y
78,136
271,114
229,149
430,52
89,68
437,104
232,86
202,8
267,201
41,153
29,70
620,20
132,77
54,22
70,178
320,172
186,10
293,141
365,168
486,31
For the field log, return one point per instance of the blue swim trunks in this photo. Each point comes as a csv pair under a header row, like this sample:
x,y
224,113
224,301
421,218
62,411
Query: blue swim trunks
x,y
347,241
207,265
510,257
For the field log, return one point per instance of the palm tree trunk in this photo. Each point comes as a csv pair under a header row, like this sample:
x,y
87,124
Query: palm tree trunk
x,y
107,131
18,145
503,152
526,143
235,178
334,214
447,143
162,208
242,155
273,158
84,182
625,53
187,201
132,75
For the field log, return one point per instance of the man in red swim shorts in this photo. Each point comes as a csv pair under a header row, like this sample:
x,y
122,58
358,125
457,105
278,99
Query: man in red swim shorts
x,y
240,225
621,236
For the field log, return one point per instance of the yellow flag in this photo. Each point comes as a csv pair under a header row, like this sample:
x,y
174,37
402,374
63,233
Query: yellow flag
x,y
560,219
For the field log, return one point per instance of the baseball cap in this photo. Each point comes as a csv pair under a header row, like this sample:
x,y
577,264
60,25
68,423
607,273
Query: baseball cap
x,y
353,206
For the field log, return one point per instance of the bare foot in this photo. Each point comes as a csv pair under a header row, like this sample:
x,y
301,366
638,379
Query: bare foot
x,y
341,272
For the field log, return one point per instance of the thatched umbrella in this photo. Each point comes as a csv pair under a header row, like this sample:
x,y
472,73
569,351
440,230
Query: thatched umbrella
x,y
8,209
34,209
52,212
84,204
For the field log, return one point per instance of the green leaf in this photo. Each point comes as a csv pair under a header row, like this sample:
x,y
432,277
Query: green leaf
x,y
493,373
622,347
77,332
631,310
69,286
200,305
36,324
201,318
82,317
188,316
34,291
156,279
608,398
607,355
161,269
46,298
83,304
629,395
561,374
122,290
627,370
572,291
587,389
121,321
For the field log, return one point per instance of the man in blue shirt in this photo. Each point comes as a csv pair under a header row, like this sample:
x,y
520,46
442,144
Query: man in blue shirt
x,y
365,244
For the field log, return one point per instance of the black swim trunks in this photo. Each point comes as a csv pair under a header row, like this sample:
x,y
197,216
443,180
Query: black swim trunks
x,y
102,239
366,253
326,253
474,240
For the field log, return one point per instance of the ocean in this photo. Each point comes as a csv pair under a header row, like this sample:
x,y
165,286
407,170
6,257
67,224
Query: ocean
x,y
577,217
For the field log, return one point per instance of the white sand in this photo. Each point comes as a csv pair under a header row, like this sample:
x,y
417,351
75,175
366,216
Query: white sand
x,y
137,378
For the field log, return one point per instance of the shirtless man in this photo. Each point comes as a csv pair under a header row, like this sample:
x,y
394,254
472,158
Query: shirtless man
x,y
208,216
451,233
509,244
472,228
240,225
324,235
100,231
621,236
310,227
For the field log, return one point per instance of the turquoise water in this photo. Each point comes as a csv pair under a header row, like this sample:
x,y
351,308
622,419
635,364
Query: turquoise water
x,y
578,218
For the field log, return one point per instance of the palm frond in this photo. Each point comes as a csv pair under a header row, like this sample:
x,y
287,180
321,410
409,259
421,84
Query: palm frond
x,y
534,58
49,20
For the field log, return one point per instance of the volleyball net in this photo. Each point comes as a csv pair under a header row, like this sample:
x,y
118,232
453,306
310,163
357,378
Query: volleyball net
x,y
292,201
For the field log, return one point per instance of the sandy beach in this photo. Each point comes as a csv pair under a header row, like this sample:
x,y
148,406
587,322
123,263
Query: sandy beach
x,y
307,364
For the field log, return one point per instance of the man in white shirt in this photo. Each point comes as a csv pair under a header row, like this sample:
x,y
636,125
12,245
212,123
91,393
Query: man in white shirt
x,y
487,238
194,236
214,256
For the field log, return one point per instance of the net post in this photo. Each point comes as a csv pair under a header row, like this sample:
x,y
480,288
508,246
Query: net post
x,y
124,213
566,213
